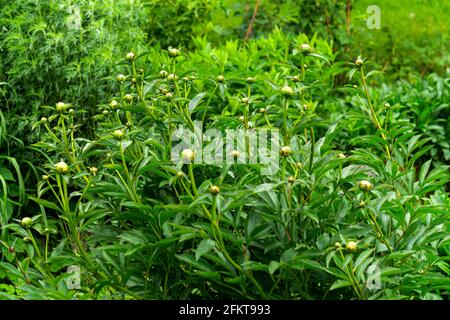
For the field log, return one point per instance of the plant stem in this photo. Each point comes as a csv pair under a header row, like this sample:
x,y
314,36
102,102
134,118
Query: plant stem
x,y
374,116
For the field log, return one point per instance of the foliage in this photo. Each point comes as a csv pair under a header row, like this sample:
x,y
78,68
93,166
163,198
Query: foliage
x,y
52,50
95,205
336,218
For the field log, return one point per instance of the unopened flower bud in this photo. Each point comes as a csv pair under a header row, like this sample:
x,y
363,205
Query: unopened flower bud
x,y
351,246
235,154
113,104
305,48
286,91
285,151
61,167
188,155
214,190
118,134
163,74
128,97
26,222
180,174
365,185
359,62
174,52
61,107
131,56
172,77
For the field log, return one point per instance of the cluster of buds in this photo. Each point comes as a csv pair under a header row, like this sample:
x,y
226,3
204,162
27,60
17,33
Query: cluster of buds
x,y
351,246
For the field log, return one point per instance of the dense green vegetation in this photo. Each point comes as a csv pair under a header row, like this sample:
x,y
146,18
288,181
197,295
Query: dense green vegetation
x,y
94,206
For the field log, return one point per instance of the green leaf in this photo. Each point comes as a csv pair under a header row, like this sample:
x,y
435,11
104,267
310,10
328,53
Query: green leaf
x,y
273,266
204,247
195,101
322,241
45,203
6,174
362,257
340,284
254,266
